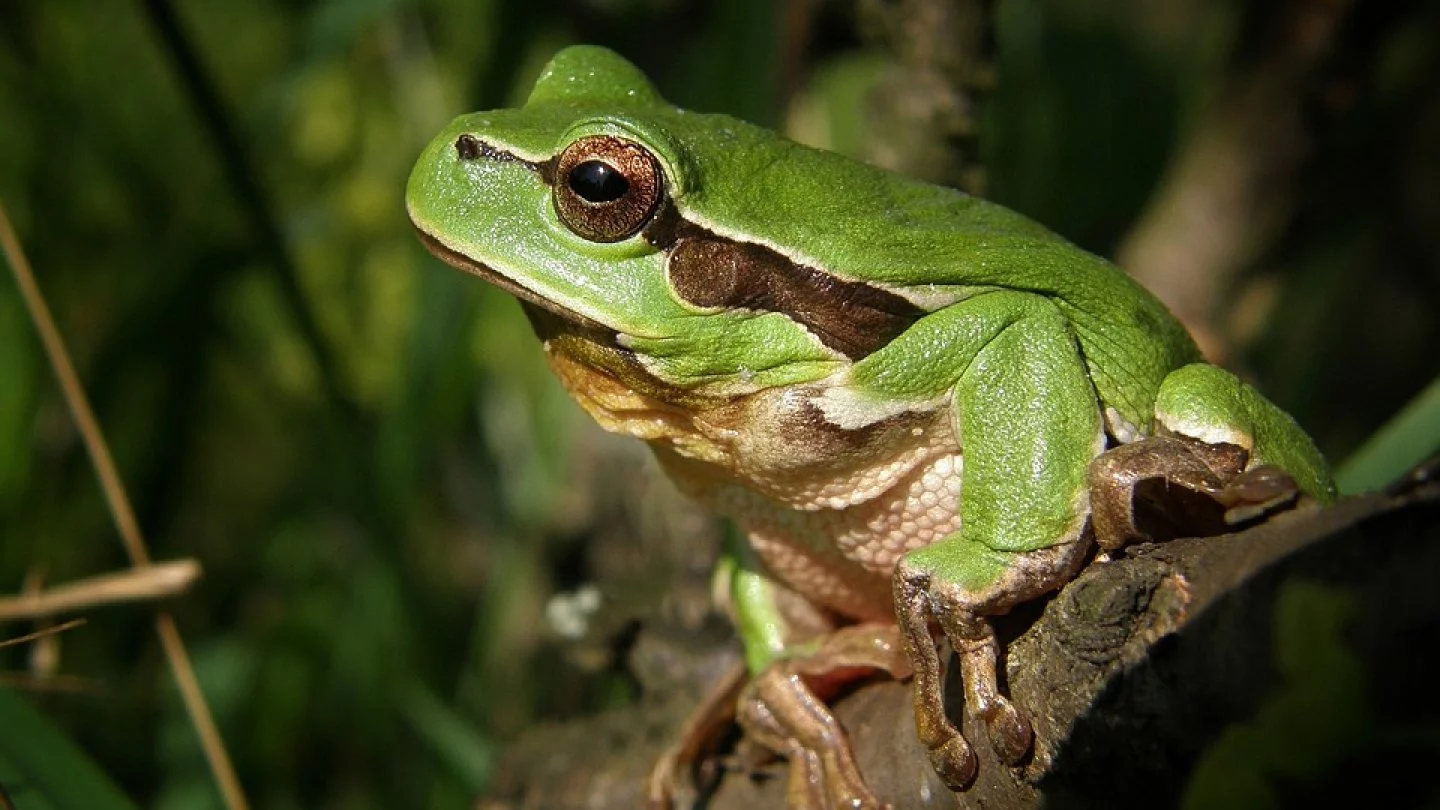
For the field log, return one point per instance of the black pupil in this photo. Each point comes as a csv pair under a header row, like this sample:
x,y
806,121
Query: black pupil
x,y
598,182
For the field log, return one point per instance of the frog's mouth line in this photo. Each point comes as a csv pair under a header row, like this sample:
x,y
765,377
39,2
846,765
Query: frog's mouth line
x,y
563,320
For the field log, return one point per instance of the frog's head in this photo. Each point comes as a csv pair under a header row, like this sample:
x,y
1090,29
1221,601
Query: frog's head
x,y
585,204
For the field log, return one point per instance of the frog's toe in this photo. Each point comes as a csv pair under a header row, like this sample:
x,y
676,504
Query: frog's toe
x,y
806,788
1010,733
1257,492
779,711
955,763
816,784
950,755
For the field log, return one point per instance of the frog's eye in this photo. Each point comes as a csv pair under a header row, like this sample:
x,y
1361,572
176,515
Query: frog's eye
x,y
606,188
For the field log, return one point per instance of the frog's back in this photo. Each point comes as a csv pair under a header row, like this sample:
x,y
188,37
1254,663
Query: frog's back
x,y
936,243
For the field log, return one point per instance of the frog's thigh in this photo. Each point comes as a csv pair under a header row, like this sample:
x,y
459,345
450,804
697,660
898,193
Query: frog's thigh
x,y
1207,403
1212,405
1029,424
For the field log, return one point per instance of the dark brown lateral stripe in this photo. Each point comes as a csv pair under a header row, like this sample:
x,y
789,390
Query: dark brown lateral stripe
x,y
707,270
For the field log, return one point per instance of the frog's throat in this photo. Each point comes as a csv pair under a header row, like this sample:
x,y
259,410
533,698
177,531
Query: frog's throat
x,y
589,360
575,337
593,329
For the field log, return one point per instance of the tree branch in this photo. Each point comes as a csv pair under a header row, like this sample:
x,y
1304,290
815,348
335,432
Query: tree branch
x,y
1133,674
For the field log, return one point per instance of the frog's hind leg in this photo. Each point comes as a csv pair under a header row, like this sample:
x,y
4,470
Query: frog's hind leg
x,y
702,727
785,710
1222,455
800,660
1211,405
1163,487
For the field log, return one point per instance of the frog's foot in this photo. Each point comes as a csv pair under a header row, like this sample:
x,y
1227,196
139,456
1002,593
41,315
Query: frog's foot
x,y
1163,487
1257,492
784,710
923,598
973,639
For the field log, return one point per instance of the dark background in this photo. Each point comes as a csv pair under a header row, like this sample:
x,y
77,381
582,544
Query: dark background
x,y
364,449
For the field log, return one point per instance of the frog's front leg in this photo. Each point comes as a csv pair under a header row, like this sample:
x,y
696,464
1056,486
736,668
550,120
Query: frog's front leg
x,y
923,596
1029,423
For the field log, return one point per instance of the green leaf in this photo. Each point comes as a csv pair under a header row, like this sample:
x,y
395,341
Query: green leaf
x,y
1407,439
469,755
40,769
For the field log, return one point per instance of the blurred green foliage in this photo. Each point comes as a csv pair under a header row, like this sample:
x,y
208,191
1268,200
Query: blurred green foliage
x,y
1307,725
44,769
365,449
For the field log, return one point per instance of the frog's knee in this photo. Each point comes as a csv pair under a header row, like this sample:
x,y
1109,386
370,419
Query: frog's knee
x,y
1208,403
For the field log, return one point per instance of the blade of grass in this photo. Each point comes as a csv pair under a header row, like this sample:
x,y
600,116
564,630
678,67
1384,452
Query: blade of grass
x,y
39,634
122,513
41,768
469,755
1410,437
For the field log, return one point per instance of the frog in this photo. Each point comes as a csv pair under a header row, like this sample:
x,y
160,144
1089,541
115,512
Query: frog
x,y
918,408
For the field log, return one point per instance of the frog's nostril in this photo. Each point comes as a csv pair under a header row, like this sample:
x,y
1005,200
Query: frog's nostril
x,y
468,147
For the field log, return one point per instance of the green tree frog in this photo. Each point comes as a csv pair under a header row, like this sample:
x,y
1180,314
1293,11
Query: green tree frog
x,y
918,408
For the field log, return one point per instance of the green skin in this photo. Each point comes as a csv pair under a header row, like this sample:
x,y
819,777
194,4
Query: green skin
x,y
1043,354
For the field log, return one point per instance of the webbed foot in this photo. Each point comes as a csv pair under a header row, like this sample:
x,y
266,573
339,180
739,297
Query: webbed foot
x,y
1163,487
784,709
